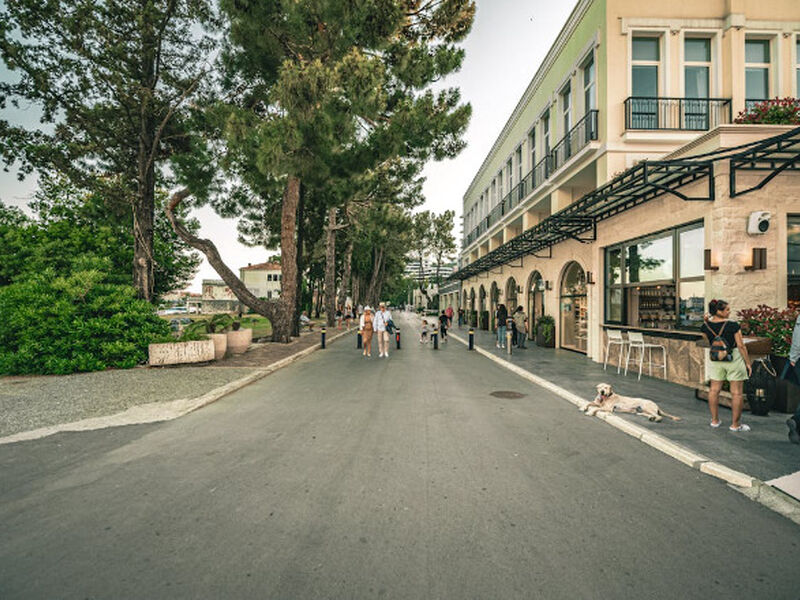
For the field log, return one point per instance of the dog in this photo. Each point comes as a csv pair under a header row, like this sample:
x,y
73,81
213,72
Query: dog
x,y
607,400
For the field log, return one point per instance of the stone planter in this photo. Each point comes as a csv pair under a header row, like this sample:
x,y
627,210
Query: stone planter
x,y
177,353
541,340
220,344
239,341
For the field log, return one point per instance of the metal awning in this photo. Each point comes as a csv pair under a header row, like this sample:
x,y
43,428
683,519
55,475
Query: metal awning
x,y
637,185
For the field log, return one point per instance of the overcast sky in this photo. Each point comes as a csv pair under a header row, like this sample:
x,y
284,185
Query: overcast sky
x,y
508,42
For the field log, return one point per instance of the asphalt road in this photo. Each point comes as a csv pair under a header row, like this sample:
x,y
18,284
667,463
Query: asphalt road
x,y
342,477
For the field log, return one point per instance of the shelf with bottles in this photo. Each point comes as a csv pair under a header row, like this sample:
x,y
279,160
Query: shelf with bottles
x,y
654,306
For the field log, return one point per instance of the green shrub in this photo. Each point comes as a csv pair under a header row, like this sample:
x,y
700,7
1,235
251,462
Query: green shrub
x,y
59,325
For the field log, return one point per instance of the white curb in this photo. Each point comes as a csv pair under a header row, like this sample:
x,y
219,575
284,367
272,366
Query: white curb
x,y
752,487
155,412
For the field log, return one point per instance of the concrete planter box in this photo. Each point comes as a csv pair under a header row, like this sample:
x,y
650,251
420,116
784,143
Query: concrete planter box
x,y
239,341
177,353
220,344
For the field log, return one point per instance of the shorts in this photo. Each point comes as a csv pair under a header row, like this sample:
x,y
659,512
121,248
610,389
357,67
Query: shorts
x,y
734,370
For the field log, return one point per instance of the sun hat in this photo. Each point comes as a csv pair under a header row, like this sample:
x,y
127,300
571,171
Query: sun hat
x,y
367,308
381,304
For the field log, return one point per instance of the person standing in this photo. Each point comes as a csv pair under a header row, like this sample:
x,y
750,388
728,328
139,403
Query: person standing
x,y
366,327
382,319
728,361
460,317
348,315
444,323
793,422
339,317
449,312
521,326
500,318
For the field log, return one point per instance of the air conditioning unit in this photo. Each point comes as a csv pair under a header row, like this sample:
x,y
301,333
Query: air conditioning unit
x,y
758,222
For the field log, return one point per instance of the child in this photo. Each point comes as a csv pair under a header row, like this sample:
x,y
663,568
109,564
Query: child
x,y
423,336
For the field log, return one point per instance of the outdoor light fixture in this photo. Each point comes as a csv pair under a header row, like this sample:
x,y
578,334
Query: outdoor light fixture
x,y
707,261
759,261
590,278
548,285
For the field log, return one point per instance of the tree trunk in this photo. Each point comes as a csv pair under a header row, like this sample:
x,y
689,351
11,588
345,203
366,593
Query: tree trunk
x,y
282,326
346,272
372,291
330,268
300,260
356,285
318,299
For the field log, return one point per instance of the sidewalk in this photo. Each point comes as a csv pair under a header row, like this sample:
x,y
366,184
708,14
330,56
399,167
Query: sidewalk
x,y
764,453
36,406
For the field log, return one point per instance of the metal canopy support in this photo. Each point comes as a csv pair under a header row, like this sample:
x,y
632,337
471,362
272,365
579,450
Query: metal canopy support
x,y
776,155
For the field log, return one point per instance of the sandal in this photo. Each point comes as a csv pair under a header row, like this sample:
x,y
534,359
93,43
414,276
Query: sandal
x,y
715,425
742,427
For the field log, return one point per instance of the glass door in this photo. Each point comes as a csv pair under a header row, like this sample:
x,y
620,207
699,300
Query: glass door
x,y
574,309
535,303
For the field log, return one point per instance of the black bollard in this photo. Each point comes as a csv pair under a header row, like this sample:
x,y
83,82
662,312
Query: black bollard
x,y
397,337
509,335
322,334
359,341
435,338
471,338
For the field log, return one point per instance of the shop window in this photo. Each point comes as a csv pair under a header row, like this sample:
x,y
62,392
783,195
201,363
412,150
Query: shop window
x,y
793,256
657,282
574,308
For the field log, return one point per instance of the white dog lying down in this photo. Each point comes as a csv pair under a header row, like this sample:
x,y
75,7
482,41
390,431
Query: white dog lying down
x,y
609,401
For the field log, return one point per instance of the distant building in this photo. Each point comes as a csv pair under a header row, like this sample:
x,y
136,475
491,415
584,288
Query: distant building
x,y
263,280
412,270
218,298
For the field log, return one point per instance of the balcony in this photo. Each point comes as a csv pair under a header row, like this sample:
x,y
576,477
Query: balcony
x,y
578,138
676,114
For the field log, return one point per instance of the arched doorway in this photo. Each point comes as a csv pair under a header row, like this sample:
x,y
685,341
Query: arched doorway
x,y
574,308
511,295
494,300
483,316
535,301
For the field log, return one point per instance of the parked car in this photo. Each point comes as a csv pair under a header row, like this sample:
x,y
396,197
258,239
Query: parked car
x,y
175,310
179,323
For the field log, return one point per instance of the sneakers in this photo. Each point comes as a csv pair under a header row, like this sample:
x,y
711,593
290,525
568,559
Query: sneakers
x,y
715,425
743,427
794,435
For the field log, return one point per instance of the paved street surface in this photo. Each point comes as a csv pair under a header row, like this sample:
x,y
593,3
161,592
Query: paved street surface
x,y
343,477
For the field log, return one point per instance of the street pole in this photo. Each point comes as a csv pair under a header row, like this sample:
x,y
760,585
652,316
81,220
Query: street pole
x,y
435,337
508,335
471,338
397,337
359,340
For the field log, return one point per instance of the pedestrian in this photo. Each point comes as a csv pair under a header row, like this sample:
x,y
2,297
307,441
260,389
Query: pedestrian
x,y
500,318
339,317
521,325
449,313
444,322
423,335
365,324
460,317
793,422
728,361
348,316
382,324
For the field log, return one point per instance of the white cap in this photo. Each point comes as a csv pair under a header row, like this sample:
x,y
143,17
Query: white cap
x,y
367,308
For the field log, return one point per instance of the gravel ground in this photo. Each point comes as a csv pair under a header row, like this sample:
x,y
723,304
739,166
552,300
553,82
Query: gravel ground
x,y
31,402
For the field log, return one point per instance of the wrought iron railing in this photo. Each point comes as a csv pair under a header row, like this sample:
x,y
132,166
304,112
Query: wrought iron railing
x,y
576,139
751,103
676,114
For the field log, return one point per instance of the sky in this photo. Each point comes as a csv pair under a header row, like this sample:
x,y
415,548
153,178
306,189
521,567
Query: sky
x,y
508,41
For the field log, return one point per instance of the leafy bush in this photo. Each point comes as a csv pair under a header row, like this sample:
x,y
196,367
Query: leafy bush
x,y
778,111
59,325
772,323
546,325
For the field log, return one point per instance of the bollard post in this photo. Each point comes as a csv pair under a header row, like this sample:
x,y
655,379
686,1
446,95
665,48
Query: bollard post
x,y
509,336
435,338
471,338
397,336
359,340
322,334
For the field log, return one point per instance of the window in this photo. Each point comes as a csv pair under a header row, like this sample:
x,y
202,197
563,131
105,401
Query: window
x,y
509,176
697,82
566,109
499,196
532,147
518,158
494,192
793,257
756,72
269,277
657,281
646,60
546,132
589,98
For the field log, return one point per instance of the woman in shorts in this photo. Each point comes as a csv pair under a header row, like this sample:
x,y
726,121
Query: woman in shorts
x,y
734,371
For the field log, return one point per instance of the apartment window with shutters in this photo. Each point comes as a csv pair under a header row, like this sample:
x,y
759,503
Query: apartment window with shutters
x,y
509,176
518,158
532,148
757,60
566,109
499,197
546,132
645,75
589,85
697,82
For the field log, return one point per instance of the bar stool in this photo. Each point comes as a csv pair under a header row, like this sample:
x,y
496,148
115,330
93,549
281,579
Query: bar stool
x,y
614,338
636,340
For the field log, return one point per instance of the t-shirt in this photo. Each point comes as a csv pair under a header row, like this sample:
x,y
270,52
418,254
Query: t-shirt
x,y
729,334
444,321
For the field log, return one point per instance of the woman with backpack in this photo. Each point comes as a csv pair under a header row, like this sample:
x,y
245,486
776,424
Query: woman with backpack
x,y
728,361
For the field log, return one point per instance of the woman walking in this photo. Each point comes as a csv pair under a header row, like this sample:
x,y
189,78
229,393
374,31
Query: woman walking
x,y
500,318
365,324
728,361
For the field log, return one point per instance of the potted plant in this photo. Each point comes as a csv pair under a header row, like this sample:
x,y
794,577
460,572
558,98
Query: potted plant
x,y
485,320
214,328
546,331
239,340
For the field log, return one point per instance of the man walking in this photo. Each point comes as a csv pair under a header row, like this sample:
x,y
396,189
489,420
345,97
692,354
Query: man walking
x,y
382,318
521,326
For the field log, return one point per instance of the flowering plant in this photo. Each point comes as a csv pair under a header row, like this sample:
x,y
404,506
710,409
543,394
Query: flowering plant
x,y
773,323
778,111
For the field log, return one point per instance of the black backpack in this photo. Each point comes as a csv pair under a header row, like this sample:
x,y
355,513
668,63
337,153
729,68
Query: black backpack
x,y
719,347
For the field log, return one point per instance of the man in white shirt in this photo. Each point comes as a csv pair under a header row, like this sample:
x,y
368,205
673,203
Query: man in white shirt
x,y
382,318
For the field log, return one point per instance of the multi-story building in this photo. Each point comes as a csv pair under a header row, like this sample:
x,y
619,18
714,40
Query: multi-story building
x,y
263,280
218,298
599,202
428,271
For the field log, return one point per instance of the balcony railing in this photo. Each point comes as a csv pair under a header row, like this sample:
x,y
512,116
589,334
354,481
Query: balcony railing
x,y
577,138
676,114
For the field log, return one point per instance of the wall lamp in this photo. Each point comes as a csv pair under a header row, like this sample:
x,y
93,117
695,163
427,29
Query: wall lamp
x,y
548,285
590,278
759,260
707,261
